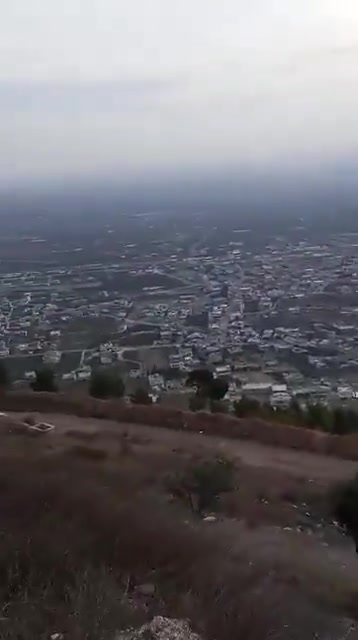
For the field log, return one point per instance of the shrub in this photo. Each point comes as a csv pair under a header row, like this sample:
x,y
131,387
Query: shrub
x,y
202,484
345,508
45,380
218,389
245,407
206,385
201,379
141,396
197,403
106,384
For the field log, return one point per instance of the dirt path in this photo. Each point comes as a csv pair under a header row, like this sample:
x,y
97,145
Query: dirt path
x,y
298,463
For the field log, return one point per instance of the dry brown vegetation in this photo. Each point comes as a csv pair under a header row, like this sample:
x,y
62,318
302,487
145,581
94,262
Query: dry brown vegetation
x,y
276,434
86,517
76,539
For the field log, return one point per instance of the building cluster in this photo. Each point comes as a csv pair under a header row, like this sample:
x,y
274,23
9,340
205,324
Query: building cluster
x,y
286,311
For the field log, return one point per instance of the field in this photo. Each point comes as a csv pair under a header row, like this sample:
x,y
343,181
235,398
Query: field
x,y
151,357
17,365
69,361
141,338
87,333
125,282
271,565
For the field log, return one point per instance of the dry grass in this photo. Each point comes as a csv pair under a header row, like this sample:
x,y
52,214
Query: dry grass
x,y
85,436
81,526
88,453
71,540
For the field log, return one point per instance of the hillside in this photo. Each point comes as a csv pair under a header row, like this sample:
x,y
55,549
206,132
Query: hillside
x,y
98,535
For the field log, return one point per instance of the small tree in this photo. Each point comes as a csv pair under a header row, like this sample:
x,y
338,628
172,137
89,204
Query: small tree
x,y
45,380
319,417
218,389
141,396
246,407
209,479
201,379
4,375
197,403
296,414
106,384
201,485
344,421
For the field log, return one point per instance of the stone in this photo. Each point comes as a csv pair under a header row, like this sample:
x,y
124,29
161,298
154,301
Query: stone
x,y
210,519
160,628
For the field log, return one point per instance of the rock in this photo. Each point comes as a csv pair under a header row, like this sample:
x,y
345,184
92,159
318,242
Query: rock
x,y
147,589
210,519
160,628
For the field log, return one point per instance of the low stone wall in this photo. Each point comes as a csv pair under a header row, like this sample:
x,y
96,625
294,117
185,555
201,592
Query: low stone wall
x,y
274,434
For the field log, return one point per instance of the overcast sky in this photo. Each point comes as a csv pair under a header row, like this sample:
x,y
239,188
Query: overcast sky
x,y
123,87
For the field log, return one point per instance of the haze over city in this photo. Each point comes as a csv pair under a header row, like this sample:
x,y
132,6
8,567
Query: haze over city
x,y
164,91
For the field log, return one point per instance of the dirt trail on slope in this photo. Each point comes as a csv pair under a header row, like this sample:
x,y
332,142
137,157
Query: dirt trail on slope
x,y
298,463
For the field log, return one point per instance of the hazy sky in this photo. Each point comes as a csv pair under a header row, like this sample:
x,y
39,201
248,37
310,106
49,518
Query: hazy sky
x,y
122,87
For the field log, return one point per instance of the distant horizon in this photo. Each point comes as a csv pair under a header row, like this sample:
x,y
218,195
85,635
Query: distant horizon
x,y
154,91
326,195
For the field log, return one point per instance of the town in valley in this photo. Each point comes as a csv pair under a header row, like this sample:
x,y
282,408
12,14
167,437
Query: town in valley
x,y
272,308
